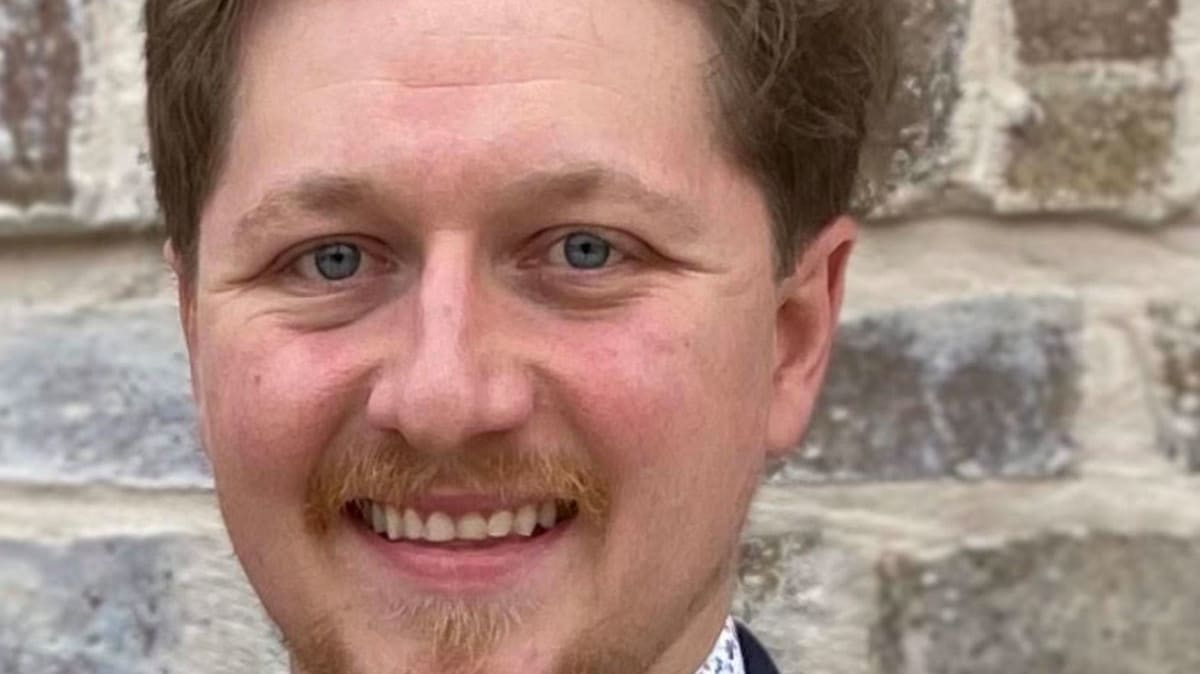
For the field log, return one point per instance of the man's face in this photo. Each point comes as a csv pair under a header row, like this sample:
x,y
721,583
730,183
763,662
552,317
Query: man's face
x,y
465,260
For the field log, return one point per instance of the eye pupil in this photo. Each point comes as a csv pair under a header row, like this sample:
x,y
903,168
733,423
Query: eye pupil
x,y
586,251
337,261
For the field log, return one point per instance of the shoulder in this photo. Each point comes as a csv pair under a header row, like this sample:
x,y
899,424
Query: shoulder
x,y
754,656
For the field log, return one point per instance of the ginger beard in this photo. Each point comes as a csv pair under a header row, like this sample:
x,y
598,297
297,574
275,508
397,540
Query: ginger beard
x,y
459,633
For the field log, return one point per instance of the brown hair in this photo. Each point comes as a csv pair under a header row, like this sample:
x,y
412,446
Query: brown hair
x,y
794,83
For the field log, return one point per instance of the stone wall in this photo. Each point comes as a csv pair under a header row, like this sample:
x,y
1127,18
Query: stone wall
x,y
1002,476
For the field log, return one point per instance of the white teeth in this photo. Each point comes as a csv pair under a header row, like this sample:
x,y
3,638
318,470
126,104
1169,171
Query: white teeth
x,y
439,528
472,527
395,523
548,514
378,519
500,524
526,520
414,528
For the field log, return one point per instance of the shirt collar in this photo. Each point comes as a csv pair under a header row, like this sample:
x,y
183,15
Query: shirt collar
x,y
726,656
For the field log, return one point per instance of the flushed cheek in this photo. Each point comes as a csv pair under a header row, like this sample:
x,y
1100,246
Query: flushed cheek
x,y
672,411
665,384
273,400
644,402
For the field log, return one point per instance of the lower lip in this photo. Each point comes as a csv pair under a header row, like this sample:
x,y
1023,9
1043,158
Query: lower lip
x,y
465,570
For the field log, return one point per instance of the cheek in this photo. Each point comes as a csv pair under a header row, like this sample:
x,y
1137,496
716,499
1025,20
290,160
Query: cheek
x,y
670,399
675,412
272,402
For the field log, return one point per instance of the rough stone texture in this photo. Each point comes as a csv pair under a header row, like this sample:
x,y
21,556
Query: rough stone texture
x,y
39,72
1177,338
97,395
972,389
1027,107
110,171
1096,139
914,134
72,122
123,605
1072,30
799,594
1102,604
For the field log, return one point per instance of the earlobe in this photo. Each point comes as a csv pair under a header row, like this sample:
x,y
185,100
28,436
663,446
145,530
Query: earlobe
x,y
805,324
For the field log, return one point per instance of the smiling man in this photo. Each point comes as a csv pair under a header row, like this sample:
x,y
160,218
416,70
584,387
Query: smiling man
x,y
495,310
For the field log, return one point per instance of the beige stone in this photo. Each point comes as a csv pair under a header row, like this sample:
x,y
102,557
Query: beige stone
x,y
39,73
1054,604
1072,30
1096,138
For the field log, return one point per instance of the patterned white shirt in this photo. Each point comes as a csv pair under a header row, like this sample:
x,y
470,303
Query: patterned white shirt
x,y
726,656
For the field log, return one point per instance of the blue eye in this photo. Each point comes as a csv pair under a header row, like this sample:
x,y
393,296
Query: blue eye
x,y
337,261
586,251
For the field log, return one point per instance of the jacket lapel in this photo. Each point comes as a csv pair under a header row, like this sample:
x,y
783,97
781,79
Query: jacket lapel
x,y
754,656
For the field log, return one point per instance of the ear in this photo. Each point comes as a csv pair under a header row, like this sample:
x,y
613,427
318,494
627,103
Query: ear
x,y
808,303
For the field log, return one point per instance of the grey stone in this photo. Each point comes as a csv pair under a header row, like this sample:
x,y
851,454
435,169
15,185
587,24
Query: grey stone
x,y
39,71
1177,339
976,388
1072,30
912,138
1099,604
1099,137
805,598
122,605
98,395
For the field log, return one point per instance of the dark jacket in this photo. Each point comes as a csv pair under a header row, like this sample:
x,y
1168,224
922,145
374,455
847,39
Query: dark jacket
x,y
754,656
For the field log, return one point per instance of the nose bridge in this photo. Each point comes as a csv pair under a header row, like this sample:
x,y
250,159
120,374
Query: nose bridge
x,y
454,383
443,310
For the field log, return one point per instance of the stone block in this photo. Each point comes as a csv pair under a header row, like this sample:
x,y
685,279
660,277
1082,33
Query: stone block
x,y
1073,30
98,395
72,123
39,75
1098,604
807,599
1095,140
975,388
913,137
165,604
1177,341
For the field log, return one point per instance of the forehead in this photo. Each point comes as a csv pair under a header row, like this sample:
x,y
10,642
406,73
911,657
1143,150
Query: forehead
x,y
444,42
432,60
446,98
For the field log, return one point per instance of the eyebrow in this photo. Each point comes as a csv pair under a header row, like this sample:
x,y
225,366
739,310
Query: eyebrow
x,y
580,182
340,195
315,193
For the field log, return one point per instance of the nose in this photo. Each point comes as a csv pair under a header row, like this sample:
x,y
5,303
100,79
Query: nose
x,y
452,378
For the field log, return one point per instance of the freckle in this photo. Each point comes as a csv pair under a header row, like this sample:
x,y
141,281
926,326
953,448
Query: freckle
x,y
258,381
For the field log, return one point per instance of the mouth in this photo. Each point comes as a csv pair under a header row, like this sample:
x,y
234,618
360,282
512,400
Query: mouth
x,y
481,527
463,545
